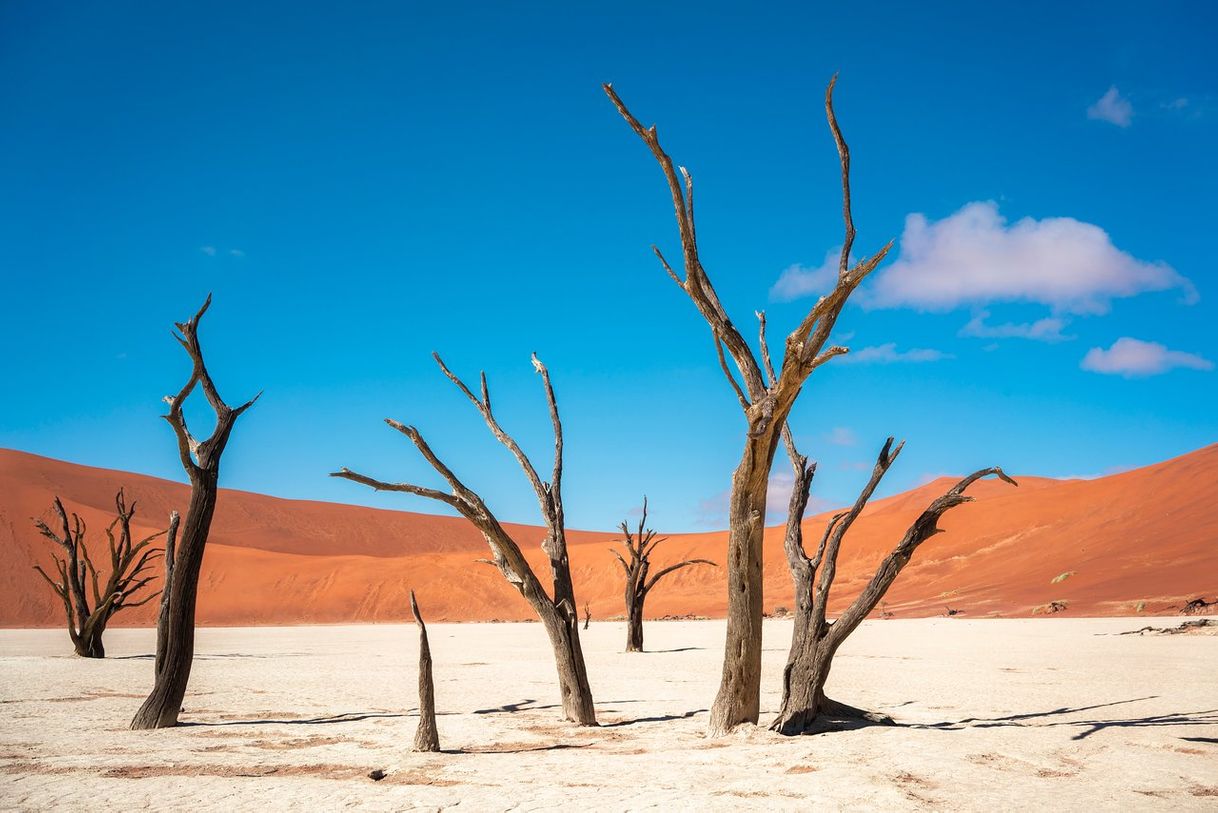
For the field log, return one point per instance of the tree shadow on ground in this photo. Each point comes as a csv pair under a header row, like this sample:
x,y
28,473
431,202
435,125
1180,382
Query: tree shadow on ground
x,y
528,705
514,749
348,717
657,719
1042,719
215,656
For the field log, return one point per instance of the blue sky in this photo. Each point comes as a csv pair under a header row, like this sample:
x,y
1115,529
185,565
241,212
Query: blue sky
x,y
359,184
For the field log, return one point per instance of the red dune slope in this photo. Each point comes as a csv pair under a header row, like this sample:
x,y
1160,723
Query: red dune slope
x,y
1147,537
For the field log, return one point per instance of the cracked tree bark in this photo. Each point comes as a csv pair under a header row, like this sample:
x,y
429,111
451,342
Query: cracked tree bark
x,y
557,610
426,737
201,460
639,546
765,401
162,618
128,561
815,640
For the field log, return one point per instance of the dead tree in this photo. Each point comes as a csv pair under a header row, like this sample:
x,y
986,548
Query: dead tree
x,y
162,617
558,611
426,737
201,460
587,615
814,639
639,546
766,402
128,561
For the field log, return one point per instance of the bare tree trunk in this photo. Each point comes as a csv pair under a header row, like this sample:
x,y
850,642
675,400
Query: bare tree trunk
x,y
426,737
164,703
201,460
639,546
162,619
91,646
814,640
634,628
739,697
766,400
575,691
556,609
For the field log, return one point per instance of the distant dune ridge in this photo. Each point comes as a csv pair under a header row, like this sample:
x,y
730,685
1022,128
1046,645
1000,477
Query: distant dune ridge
x,y
1146,538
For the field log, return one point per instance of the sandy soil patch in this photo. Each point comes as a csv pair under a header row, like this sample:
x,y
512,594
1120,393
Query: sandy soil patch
x,y
1059,713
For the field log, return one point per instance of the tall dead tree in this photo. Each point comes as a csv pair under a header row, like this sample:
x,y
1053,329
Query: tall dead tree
x,y
639,546
765,400
201,460
128,562
815,639
557,610
426,737
162,617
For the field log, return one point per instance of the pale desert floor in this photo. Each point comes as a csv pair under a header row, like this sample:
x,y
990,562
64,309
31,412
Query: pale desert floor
x,y
994,714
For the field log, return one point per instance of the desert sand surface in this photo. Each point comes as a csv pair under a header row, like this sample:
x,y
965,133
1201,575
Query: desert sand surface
x,y
1140,541
1060,714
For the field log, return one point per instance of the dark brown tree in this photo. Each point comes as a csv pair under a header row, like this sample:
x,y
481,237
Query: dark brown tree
x,y
639,546
426,737
128,562
765,400
162,618
558,611
815,639
201,460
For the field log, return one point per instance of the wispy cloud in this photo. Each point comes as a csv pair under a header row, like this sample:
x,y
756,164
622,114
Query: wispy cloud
x,y
797,281
1178,103
1048,329
1113,108
713,511
1134,358
212,251
841,436
975,257
888,354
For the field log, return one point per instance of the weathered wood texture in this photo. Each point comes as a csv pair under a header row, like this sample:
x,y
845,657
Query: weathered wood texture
x,y
426,736
558,611
766,401
814,638
201,461
87,616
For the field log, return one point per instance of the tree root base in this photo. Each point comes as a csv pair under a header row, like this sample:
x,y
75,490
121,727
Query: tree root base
x,y
832,716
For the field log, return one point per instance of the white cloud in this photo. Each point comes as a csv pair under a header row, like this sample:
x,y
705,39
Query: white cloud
x,y
888,354
841,436
974,257
798,281
1176,104
1133,358
1113,108
210,251
1048,329
236,252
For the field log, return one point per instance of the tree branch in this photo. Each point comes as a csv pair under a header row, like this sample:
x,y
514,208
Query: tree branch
x,y
678,566
887,456
923,528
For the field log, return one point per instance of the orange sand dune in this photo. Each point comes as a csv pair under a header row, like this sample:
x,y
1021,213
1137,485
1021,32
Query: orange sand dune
x,y
1147,537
